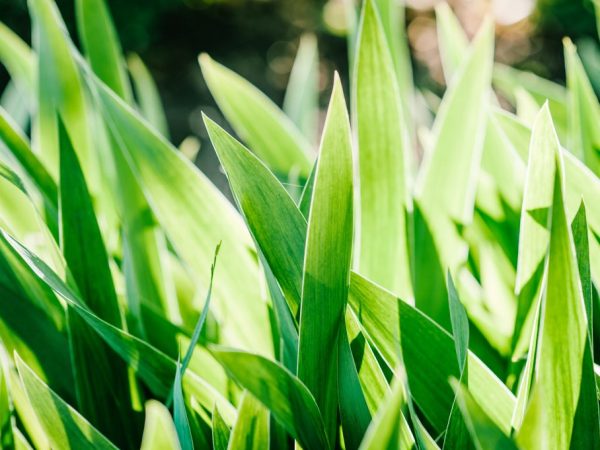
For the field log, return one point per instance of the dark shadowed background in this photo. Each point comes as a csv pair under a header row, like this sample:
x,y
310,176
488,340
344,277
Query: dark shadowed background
x,y
258,39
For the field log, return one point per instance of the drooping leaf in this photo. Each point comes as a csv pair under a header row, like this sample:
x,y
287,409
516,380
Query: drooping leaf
x,y
155,368
327,262
428,353
382,155
282,393
64,426
258,121
195,217
159,430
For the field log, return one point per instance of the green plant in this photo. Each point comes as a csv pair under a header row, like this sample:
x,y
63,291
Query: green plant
x,y
361,299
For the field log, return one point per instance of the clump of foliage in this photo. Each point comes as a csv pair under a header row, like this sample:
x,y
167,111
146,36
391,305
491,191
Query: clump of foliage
x,y
364,296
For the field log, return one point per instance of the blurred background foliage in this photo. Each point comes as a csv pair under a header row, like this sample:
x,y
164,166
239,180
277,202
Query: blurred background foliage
x,y
259,38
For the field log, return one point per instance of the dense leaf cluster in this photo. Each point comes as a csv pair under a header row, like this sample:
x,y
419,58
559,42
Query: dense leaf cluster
x,y
427,279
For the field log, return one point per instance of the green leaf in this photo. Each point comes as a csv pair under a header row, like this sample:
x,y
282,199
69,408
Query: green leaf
x,y
101,383
258,121
550,413
301,101
279,231
195,217
60,89
81,241
429,355
354,412
452,40
586,429
26,413
460,325
20,62
287,327
509,80
220,431
159,430
389,429
456,431
202,319
64,426
16,142
182,424
458,137
534,233
327,262
382,153
583,109
155,368
147,94
484,432
143,243
280,391
101,44
251,430
392,14
442,202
